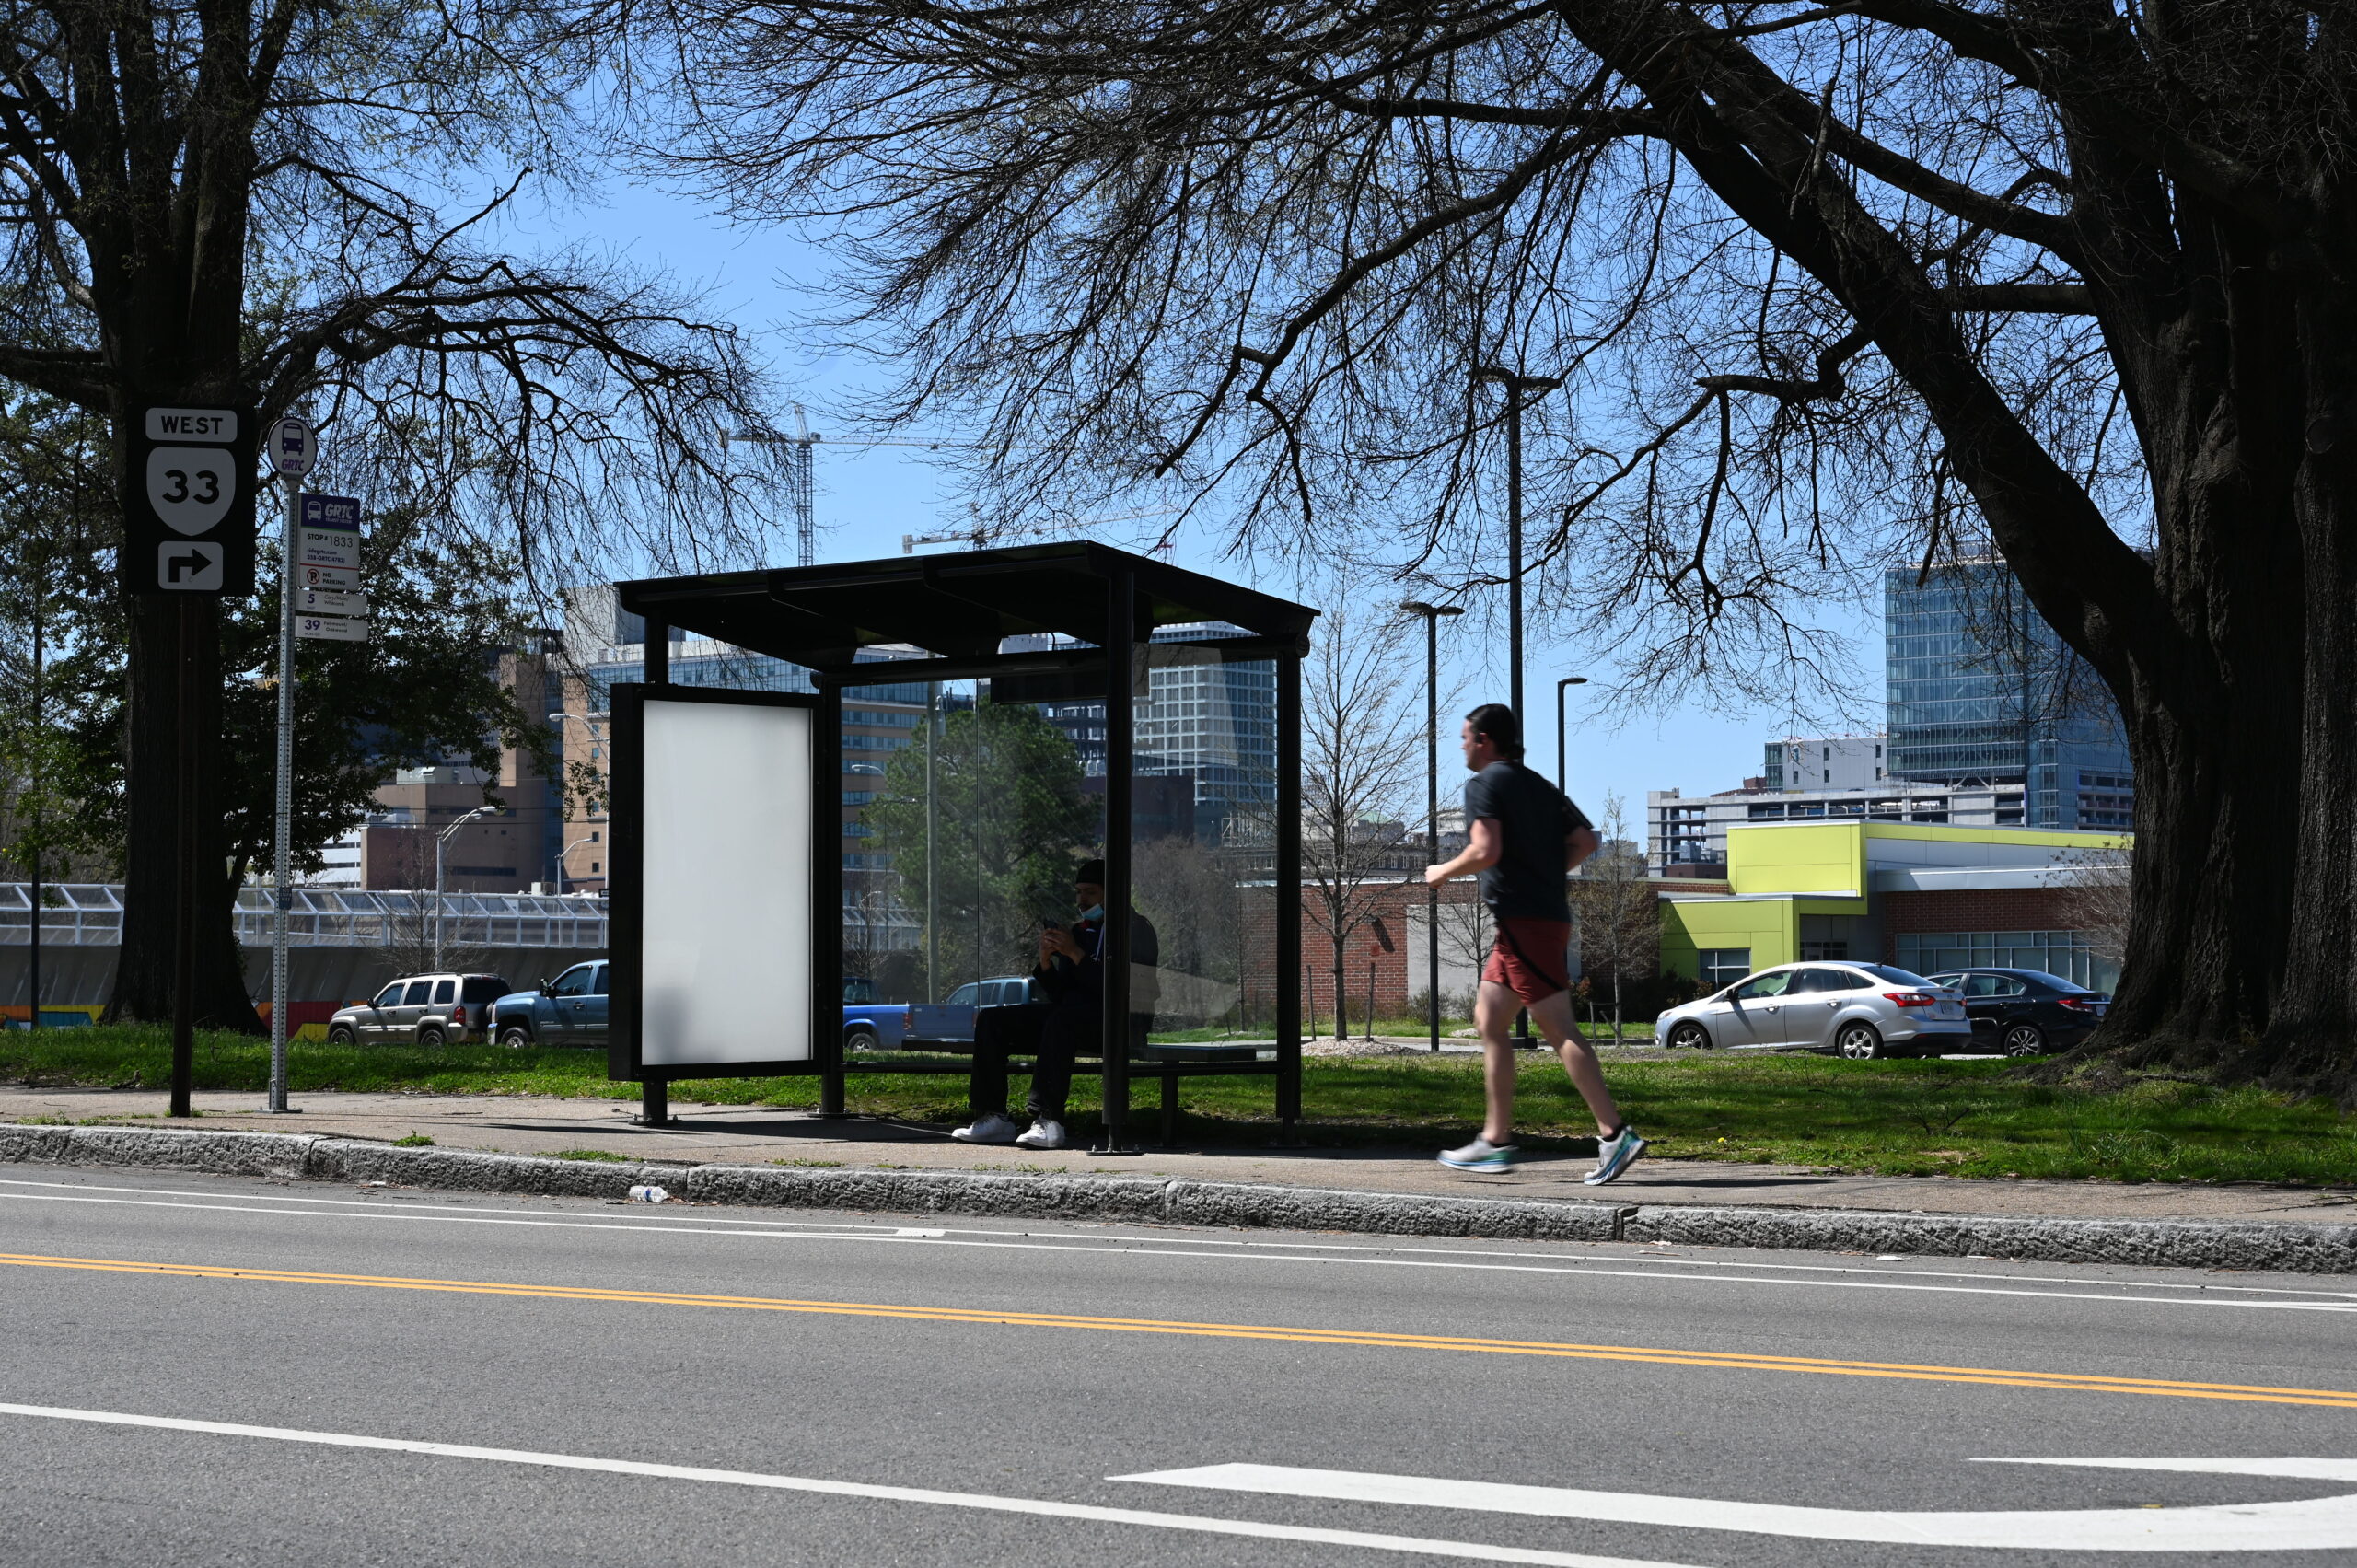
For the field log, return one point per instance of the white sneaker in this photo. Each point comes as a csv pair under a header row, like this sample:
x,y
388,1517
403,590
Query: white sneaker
x,y
1044,1134
992,1129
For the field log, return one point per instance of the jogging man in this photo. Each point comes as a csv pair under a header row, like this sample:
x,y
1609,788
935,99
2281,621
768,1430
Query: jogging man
x,y
1523,836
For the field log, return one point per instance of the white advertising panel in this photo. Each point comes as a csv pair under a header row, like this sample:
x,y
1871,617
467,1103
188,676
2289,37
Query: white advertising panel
x,y
726,871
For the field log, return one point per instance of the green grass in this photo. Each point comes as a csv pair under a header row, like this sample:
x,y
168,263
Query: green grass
x,y
1915,1118
603,1155
414,1141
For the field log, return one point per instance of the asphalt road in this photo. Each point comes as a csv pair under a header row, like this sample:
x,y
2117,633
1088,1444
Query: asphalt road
x,y
539,1381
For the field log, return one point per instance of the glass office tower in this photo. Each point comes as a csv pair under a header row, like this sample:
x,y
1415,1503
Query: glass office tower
x,y
1208,728
1982,692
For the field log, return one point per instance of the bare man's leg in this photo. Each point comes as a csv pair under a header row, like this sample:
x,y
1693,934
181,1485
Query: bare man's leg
x,y
1493,1015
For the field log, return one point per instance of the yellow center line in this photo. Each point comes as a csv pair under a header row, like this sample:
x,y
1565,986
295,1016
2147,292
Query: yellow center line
x,y
1366,1338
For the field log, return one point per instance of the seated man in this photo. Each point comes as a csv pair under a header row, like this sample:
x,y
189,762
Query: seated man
x,y
1070,1023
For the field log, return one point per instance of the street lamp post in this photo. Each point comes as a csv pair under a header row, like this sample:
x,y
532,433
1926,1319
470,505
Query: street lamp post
x,y
1519,388
1431,615
441,845
1562,777
560,861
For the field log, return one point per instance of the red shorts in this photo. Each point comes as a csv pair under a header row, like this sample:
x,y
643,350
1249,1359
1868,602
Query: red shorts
x,y
1528,958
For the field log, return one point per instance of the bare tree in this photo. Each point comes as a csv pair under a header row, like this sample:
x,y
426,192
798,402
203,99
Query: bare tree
x,y
1617,911
873,914
1362,755
409,937
1467,932
1190,891
1828,286
2099,900
253,206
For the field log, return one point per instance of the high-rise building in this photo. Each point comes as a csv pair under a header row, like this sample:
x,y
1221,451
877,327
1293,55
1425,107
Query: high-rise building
x,y
1828,762
1206,725
1982,693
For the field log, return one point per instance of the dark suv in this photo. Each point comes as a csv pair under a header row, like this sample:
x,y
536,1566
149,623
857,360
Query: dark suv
x,y
2025,1012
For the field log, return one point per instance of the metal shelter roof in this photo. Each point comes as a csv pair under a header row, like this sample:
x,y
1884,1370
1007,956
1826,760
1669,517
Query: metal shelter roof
x,y
958,605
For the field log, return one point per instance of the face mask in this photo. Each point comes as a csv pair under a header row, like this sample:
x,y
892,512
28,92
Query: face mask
x,y
1094,911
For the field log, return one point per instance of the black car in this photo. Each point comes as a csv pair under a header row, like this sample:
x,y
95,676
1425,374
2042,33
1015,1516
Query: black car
x,y
2025,1012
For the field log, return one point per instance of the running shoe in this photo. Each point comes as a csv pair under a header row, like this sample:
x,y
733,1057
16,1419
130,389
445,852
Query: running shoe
x,y
1483,1155
1614,1156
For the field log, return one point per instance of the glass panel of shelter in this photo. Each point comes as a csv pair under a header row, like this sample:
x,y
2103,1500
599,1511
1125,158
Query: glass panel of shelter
x,y
1201,844
965,819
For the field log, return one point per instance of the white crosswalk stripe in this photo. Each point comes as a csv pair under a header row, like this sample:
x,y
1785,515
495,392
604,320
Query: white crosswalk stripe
x,y
2316,1524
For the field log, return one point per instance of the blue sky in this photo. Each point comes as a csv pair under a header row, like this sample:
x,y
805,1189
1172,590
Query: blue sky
x,y
868,497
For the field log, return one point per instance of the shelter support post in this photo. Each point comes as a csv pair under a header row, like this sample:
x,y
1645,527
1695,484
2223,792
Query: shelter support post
x,y
1287,893
827,899
1121,705
659,652
654,1090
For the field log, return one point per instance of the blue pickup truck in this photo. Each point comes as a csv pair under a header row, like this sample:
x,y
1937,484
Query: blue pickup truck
x,y
889,1025
571,1010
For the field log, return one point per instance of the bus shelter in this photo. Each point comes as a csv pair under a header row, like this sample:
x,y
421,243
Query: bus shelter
x,y
728,811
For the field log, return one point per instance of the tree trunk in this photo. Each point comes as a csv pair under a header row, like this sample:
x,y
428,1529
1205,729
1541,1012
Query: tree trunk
x,y
2244,893
143,987
1341,994
2240,960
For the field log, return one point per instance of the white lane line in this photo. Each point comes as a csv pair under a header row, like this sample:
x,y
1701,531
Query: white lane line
x,y
983,1501
1652,1261
2318,1524
2290,1465
1094,1247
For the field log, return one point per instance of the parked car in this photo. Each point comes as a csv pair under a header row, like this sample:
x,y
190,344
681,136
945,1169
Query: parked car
x,y
430,1010
572,1009
1860,1010
2027,1012
871,1025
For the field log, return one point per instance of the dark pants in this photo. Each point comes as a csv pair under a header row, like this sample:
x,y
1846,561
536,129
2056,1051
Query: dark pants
x,y
1056,1035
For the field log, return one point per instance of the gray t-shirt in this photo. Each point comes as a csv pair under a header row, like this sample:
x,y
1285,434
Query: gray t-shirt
x,y
1534,818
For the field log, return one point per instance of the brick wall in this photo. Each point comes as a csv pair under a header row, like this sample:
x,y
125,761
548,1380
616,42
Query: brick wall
x,y
1978,909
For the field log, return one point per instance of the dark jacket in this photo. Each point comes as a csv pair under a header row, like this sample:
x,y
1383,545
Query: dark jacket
x,y
1082,985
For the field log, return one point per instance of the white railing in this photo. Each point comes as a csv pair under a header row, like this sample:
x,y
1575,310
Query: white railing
x,y
74,914
90,914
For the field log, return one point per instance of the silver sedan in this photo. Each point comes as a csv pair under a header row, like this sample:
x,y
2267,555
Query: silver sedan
x,y
1863,1011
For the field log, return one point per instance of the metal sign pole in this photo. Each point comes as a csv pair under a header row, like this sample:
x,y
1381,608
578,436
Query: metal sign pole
x,y
184,897
292,449
281,855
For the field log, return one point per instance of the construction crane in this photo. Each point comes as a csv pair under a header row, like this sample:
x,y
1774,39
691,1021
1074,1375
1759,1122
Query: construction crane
x,y
800,486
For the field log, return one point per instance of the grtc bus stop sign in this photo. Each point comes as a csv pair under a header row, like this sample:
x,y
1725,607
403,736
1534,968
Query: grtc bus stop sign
x,y
190,527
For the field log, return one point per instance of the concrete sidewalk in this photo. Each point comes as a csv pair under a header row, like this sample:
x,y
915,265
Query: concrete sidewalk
x,y
739,1136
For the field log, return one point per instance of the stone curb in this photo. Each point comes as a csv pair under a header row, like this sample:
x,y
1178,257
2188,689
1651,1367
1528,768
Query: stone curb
x,y
1153,1200
2287,1248
2284,1248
